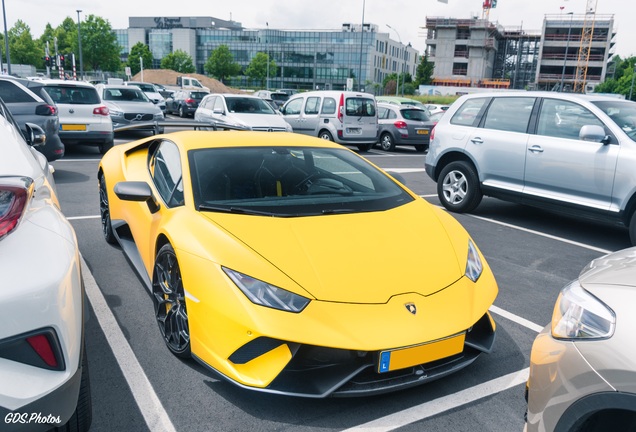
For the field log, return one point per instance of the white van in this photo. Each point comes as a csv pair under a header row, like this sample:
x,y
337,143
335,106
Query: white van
x,y
346,117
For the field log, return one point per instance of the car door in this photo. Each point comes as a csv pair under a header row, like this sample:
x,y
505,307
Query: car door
x,y
291,113
310,116
560,166
498,146
360,120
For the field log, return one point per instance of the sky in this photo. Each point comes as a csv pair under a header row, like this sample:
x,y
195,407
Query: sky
x,y
406,17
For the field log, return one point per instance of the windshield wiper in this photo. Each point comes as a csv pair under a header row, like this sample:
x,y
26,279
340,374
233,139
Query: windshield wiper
x,y
239,210
338,211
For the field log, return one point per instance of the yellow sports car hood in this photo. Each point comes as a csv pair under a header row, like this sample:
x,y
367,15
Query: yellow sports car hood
x,y
357,258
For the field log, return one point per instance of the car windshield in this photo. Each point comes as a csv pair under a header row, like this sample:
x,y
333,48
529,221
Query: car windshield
x,y
251,105
132,94
72,95
623,113
145,87
414,114
289,182
198,95
282,97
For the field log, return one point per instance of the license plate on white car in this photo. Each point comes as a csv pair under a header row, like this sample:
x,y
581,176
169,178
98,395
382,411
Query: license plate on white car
x,y
354,131
73,127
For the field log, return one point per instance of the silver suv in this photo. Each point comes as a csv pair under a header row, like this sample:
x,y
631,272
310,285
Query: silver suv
x,y
566,152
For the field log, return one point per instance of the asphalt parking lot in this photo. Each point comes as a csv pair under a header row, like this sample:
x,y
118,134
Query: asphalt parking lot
x,y
138,385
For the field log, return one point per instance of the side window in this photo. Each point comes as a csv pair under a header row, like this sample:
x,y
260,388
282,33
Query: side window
x,y
10,93
329,106
466,115
165,170
510,114
218,104
382,112
564,119
392,114
312,106
293,106
363,107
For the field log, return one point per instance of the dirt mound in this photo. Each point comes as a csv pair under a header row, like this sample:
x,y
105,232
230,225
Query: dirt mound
x,y
169,77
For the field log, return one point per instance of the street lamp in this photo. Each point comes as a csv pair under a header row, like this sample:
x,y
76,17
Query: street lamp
x,y
567,46
267,44
631,89
79,41
6,40
361,48
397,88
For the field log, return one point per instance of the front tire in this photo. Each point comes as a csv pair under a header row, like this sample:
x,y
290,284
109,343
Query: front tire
x,y
182,112
168,297
632,229
458,187
104,210
386,142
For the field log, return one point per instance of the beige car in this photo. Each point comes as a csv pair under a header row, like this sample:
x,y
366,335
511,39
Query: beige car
x,y
583,365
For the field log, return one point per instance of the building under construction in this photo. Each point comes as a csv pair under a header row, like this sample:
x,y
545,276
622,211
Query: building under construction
x,y
478,53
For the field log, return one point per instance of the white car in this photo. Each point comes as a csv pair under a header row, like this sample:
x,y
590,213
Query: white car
x,y
43,364
151,91
243,111
84,118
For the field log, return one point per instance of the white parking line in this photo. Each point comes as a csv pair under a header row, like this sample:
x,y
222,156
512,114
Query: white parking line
x,y
149,404
443,404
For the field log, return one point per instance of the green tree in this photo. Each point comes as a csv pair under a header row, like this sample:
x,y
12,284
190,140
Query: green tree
x,y
178,61
221,64
257,69
424,71
100,50
621,83
22,47
138,50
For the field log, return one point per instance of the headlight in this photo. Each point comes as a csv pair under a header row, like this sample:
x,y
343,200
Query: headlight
x,y
579,315
159,115
474,266
264,294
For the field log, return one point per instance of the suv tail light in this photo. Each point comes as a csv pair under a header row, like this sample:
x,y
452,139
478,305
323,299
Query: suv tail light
x,y
189,101
15,193
46,110
400,124
433,132
341,107
40,348
101,110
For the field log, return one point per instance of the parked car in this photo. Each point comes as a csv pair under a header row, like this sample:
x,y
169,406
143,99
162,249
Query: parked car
x,y
246,111
279,98
29,103
151,91
43,363
436,116
184,102
84,118
396,100
255,232
583,365
403,125
562,151
129,105
436,108
348,118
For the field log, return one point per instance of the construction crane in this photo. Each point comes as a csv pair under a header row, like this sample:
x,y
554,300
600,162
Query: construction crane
x,y
587,35
486,6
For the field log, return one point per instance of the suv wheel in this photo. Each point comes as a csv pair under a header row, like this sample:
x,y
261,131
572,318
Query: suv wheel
x,y
182,113
386,142
458,187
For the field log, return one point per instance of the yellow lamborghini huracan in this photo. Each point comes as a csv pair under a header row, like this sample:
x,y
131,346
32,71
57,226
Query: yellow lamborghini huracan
x,y
288,264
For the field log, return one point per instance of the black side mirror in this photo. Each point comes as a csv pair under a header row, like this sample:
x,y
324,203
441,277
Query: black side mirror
x,y
34,135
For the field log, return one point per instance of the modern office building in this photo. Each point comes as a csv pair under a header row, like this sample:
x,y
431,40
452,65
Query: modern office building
x,y
569,50
305,59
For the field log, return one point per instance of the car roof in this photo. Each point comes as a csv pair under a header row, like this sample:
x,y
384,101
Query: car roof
x,y
66,82
545,94
401,106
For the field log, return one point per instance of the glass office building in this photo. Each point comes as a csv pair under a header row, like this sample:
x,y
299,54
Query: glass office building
x,y
305,59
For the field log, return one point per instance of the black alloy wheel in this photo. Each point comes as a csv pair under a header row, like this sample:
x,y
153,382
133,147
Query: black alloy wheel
x,y
104,211
168,297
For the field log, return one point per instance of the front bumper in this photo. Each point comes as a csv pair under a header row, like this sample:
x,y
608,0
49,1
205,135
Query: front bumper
x,y
318,372
559,377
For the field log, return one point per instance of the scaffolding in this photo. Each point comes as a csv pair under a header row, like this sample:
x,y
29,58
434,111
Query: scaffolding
x,y
517,57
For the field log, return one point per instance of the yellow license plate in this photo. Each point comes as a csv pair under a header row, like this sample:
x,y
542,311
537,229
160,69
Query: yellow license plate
x,y
422,131
414,355
73,127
